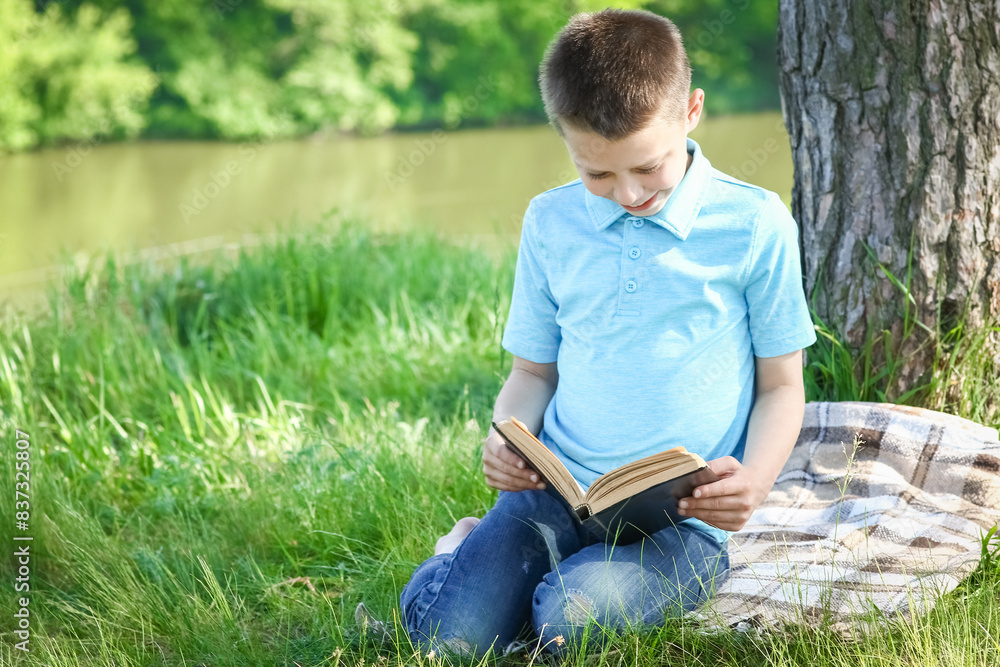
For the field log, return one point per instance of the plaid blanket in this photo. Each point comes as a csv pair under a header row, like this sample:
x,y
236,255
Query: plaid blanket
x,y
880,509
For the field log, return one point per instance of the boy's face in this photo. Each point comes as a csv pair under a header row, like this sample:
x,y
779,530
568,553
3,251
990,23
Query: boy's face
x,y
640,171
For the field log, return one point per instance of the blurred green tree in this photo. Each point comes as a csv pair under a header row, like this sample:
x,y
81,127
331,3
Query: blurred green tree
x,y
240,69
478,60
69,76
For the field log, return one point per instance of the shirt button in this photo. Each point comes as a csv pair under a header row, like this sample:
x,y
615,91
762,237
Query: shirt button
x,y
634,252
631,286
638,223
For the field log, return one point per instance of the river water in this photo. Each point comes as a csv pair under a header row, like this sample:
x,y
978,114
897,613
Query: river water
x,y
163,199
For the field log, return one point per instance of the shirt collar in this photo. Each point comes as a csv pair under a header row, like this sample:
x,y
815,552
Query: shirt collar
x,y
681,208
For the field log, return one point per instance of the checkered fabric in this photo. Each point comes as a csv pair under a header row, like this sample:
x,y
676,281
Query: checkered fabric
x,y
880,509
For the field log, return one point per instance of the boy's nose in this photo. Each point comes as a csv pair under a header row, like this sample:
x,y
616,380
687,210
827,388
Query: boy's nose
x,y
629,194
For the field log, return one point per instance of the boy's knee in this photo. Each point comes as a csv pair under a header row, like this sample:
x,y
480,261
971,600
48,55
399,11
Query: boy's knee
x,y
613,598
593,592
529,503
565,619
552,607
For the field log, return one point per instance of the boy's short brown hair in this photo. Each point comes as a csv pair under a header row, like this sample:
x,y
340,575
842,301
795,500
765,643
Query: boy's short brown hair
x,y
615,71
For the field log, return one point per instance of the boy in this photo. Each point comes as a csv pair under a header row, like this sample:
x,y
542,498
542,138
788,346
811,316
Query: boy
x,y
657,302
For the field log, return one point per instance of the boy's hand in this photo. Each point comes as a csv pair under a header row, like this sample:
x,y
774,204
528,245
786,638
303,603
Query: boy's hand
x,y
728,503
504,469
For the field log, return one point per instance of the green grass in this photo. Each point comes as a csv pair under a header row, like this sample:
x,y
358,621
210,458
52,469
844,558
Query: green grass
x,y
207,436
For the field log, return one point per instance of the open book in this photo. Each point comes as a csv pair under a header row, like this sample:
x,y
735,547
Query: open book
x,y
621,506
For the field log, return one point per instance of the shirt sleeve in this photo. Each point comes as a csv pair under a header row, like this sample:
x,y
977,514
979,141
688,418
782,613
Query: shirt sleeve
x,y
531,331
776,303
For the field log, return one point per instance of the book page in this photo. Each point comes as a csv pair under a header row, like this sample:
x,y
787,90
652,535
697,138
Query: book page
x,y
538,456
637,476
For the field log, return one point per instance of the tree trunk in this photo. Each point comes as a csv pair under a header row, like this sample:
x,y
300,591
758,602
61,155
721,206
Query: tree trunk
x,y
893,112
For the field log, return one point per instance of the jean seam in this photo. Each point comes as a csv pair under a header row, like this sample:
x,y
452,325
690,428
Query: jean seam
x,y
419,620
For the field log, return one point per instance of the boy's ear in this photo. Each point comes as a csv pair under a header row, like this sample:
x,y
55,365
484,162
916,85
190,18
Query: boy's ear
x,y
696,104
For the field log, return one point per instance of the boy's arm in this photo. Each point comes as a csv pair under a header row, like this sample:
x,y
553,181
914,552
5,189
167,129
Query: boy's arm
x,y
524,395
774,426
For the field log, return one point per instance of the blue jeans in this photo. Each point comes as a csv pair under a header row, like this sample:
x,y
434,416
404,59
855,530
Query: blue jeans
x,y
529,564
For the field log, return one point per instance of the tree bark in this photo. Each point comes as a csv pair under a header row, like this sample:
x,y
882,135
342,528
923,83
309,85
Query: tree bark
x,y
893,112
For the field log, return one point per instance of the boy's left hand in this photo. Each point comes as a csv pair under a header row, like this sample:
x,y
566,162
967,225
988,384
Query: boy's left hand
x,y
728,503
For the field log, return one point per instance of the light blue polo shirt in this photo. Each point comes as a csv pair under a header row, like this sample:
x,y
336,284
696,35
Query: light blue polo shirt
x,y
655,321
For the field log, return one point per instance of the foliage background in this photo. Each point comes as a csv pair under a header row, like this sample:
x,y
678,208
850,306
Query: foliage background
x,y
237,69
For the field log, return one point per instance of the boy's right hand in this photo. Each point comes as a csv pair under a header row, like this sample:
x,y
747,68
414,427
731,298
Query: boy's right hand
x,y
504,469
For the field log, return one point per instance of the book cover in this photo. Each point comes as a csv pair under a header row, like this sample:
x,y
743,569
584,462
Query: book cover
x,y
646,512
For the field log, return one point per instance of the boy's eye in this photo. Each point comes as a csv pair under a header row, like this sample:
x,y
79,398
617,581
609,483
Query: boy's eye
x,y
597,177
